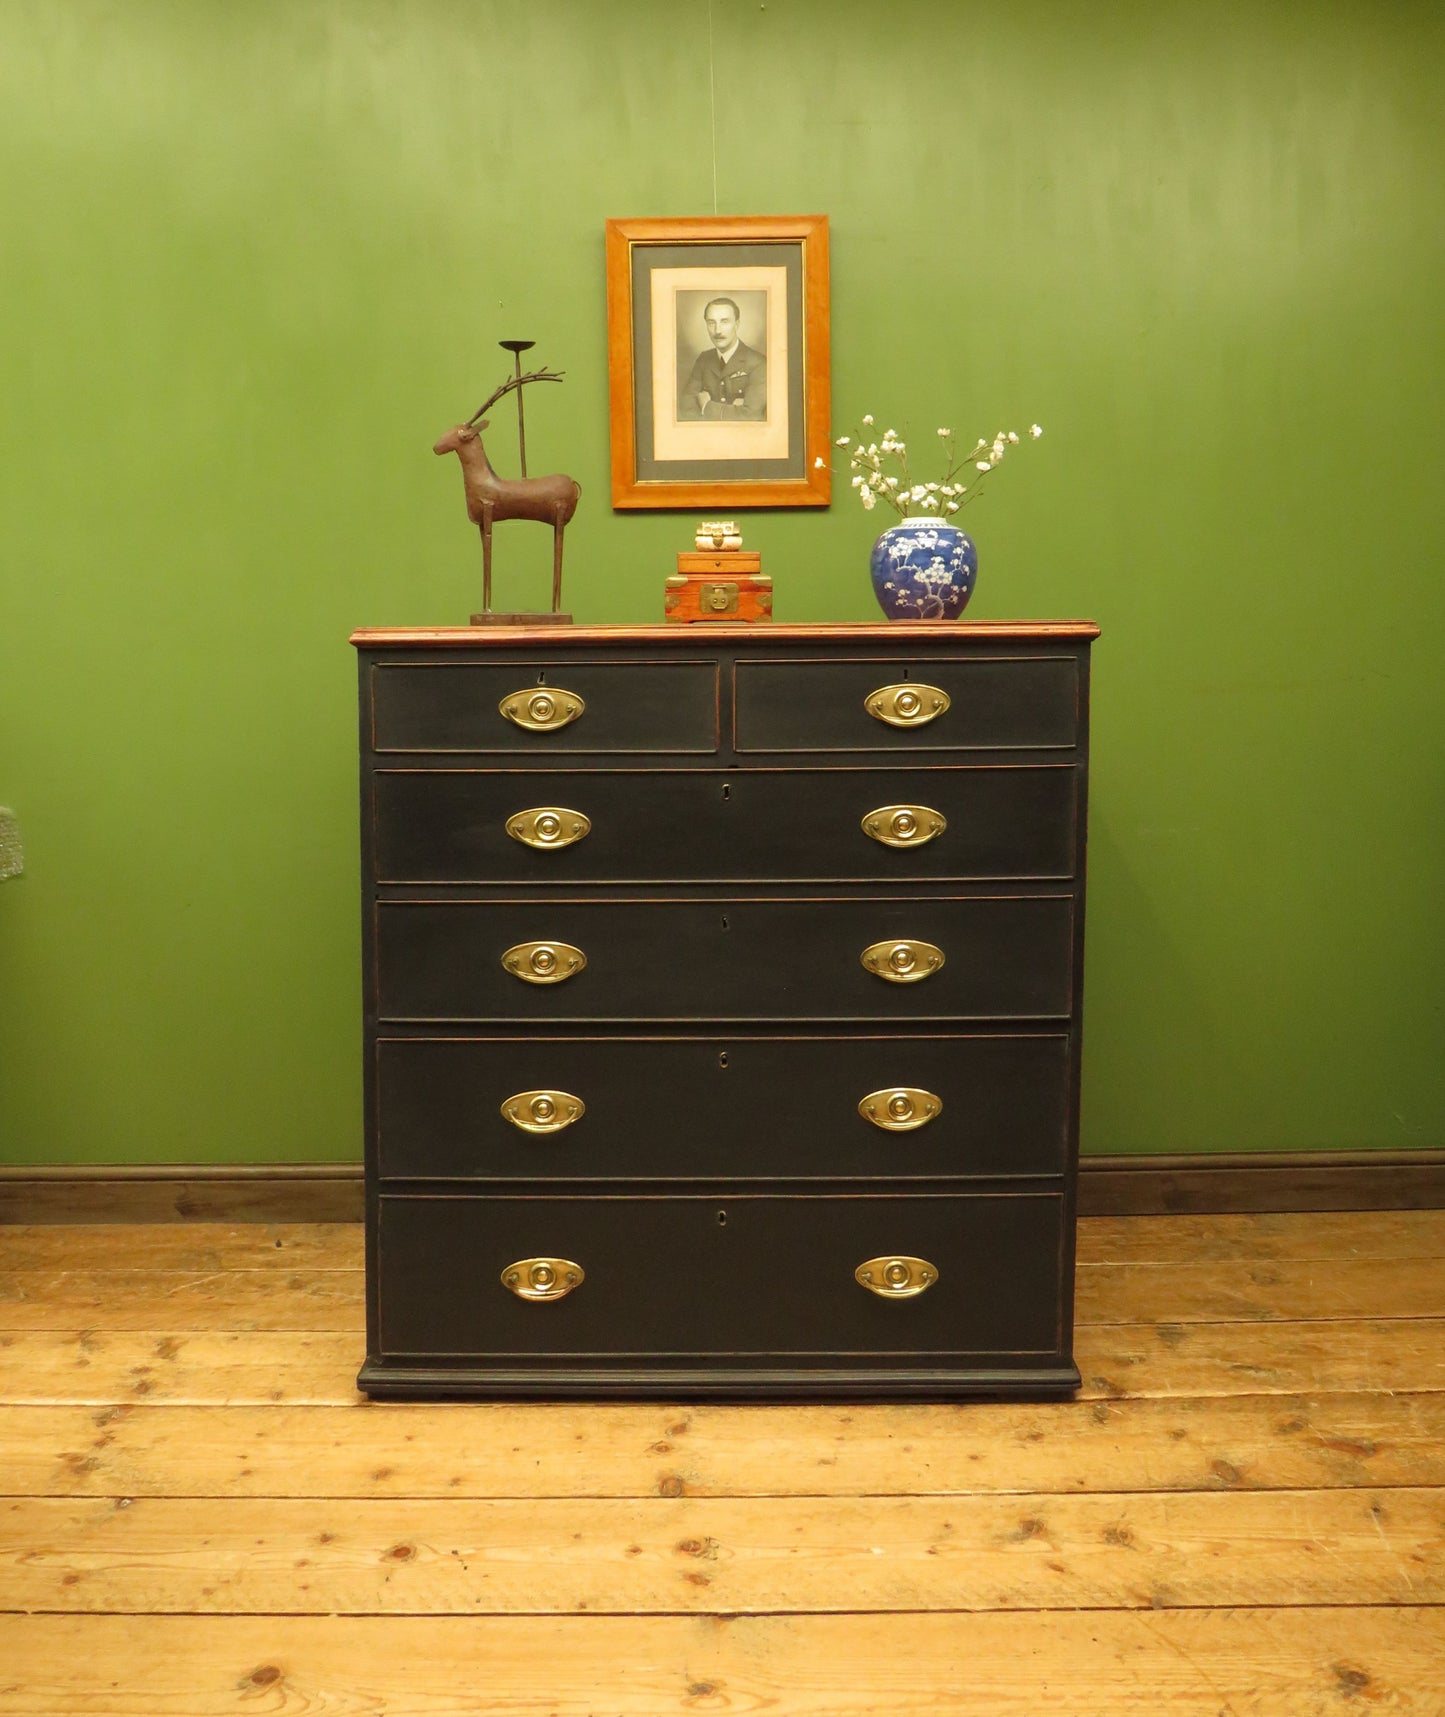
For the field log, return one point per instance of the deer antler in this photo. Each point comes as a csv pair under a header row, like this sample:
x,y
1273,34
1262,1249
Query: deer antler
x,y
543,375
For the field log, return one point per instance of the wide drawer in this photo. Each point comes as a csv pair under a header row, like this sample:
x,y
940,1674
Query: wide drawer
x,y
678,1279
993,703
698,826
1004,957
626,707
721,1107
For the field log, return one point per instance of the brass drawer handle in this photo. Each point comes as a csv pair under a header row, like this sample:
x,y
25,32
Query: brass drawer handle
x,y
908,705
544,962
902,962
896,1278
543,1278
904,825
542,711
548,827
900,1109
543,1111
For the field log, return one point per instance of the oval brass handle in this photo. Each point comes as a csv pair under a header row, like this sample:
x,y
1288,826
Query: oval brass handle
x,y
542,711
548,827
544,962
543,1111
901,1108
904,825
543,1278
908,705
903,961
896,1278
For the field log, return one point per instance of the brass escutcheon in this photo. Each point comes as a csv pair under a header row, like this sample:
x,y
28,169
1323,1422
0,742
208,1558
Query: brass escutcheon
x,y
901,1108
896,1278
544,962
543,1278
543,709
903,961
543,1111
718,598
904,825
908,705
548,827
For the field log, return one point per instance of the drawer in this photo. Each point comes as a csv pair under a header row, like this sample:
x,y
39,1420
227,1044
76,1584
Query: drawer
x,y
626,706
718,1107
689,959
994,703
676,1279
699,826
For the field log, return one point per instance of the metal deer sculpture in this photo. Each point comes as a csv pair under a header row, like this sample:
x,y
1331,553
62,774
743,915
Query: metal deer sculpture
x,y
550,500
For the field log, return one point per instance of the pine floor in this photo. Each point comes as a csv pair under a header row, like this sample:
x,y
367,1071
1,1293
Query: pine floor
x,y
1243,1513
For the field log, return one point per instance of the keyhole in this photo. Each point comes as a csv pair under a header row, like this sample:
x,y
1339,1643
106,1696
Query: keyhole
x,y
722,1219
541,676
727,790
905,673
722,1061
725,921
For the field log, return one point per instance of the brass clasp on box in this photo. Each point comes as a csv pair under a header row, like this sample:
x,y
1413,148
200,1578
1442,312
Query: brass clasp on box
x,y
896,1278
543,1278
544,962
904,825
718,598
543,1111
901,1109
908,705
542,711
902,962
548,827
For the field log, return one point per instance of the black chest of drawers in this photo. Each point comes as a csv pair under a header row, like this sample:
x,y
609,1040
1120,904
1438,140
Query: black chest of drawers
x,y
723,1009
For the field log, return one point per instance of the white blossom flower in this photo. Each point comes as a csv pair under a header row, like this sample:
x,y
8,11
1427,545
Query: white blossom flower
x,y
1036,430
857,483
952,507
945,432
842,441
917,492
819,463
869,499
1013,439
983,465
868,417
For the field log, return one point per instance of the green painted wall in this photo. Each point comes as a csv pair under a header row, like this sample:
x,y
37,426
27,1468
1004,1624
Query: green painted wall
x,y
255,256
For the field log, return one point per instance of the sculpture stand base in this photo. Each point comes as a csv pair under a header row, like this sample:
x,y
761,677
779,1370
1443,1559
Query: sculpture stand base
x,y
521,619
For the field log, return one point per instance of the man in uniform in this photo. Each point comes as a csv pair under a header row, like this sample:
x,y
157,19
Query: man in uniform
x,y
730,381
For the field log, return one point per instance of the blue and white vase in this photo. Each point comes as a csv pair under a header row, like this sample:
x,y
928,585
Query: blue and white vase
x,y
923,569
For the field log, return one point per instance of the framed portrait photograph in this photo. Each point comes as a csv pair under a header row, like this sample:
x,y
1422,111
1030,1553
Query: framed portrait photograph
x,y
717,357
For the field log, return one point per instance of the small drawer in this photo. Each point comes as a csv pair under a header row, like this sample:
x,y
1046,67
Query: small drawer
x,y
620,707
677,1278
992,703
674,825
1003,957
709,1108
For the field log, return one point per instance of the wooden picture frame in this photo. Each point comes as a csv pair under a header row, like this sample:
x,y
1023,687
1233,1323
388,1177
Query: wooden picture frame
x,y
717,358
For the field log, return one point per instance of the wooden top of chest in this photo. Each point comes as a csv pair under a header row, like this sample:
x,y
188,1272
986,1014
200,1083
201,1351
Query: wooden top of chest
x,y
900,632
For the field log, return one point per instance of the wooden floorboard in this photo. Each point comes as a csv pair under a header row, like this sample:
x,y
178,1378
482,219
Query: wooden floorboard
x,y
1242,1514
1183,1663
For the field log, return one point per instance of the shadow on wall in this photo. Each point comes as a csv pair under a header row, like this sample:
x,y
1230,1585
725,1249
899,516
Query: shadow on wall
x,y
1137,966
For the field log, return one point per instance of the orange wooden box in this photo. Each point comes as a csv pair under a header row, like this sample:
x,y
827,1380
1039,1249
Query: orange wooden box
x,y
725,563
694,596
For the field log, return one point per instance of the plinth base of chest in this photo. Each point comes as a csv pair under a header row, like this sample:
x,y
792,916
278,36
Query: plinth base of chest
x,y
388,1380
